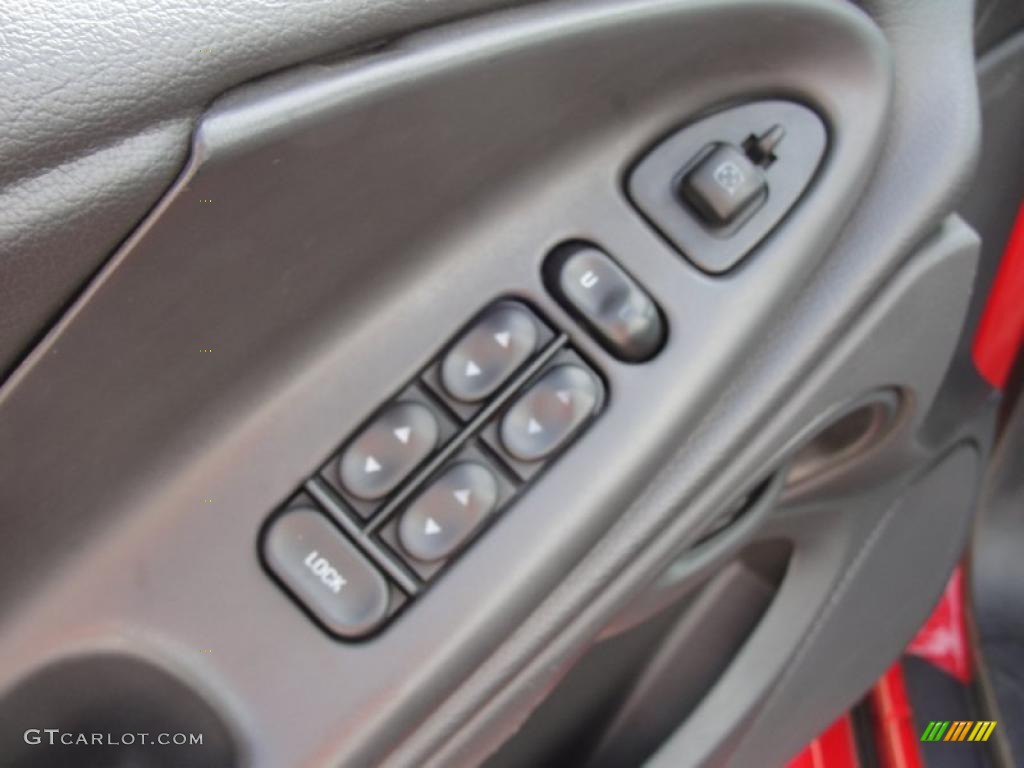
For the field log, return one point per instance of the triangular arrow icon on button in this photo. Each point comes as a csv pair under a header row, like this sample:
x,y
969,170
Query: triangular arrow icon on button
x,y
462,496
402,433
371,465
502,338
533,427
472,369
431,527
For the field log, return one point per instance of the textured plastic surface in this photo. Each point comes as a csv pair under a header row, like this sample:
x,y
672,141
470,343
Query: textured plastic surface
x,y
897,210
98,104
314,305
314,308
688,662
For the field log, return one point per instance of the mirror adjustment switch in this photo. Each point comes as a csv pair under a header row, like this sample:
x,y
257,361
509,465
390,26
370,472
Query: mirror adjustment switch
x,y
716,222
611,303
723,185
388,449
489,352
448,511
549,412
326,573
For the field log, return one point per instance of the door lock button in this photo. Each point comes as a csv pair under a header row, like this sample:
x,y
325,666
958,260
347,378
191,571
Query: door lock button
x,y
489,352
326,573
550,412
620,313
448,511
388,449
724,185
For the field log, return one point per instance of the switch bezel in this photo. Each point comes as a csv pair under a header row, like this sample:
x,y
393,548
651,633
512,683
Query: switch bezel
x,y
371,525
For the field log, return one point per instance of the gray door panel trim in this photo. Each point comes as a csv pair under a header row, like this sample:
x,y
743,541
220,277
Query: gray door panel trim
x,y
310,274
99,101
876,353
896,213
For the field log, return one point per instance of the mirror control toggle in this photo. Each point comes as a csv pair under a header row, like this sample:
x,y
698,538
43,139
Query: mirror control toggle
x,y
728,181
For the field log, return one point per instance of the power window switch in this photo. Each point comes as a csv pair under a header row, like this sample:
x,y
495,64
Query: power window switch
x,y
549,413
448,512
723,185
489,352
387,450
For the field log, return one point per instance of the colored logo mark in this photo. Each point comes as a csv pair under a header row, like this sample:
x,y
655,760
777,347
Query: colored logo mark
x,y
958,730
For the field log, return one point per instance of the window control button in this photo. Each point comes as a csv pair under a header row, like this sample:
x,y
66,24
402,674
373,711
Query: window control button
x,y
326,573
388,450
624,318
448,511
547,415
723,185
489,352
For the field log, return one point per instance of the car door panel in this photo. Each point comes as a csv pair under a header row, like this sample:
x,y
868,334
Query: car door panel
x,y
338,224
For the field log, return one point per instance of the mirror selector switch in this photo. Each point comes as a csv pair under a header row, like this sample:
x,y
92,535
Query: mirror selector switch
x,y
326,573
489,352
717,187
550,412
723,185
387,450
609,302
447,513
